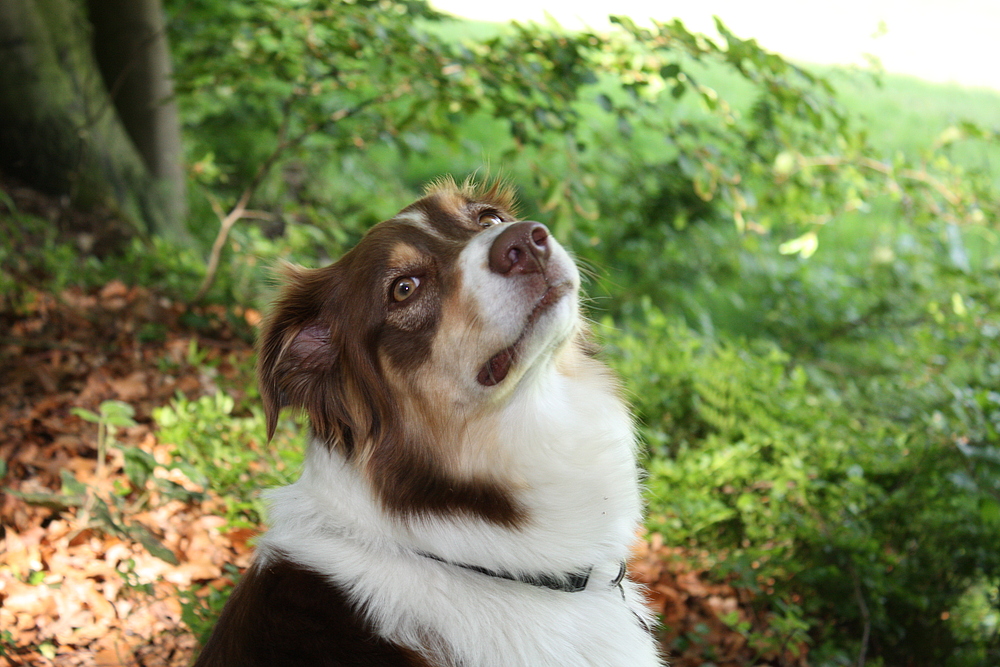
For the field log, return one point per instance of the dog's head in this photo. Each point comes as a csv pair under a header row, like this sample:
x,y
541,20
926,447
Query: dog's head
x,y
403,351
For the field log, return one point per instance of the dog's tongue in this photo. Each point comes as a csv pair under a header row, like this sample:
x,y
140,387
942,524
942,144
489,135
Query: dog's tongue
x,y
496,369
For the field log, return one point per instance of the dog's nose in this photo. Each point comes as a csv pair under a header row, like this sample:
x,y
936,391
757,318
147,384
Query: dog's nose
x,y
521,248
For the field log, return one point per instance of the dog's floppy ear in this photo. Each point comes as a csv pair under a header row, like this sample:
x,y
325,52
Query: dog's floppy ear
x,y
296,355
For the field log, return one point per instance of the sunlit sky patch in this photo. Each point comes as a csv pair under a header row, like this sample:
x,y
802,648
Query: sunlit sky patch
x,y
948,41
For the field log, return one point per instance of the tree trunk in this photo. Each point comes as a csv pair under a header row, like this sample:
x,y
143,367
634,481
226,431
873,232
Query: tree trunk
x,y
60,130
130,43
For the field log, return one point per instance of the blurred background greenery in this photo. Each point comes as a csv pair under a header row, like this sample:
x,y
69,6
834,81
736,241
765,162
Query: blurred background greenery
x,y
795,269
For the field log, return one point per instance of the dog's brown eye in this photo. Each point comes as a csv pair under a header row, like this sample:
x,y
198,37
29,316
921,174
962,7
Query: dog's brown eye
x,y
404,288
489,218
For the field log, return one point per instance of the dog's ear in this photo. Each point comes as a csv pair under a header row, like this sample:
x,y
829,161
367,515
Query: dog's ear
x,y
296,356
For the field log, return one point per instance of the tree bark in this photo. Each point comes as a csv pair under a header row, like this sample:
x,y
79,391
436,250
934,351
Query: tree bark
x,y
130,44
60,131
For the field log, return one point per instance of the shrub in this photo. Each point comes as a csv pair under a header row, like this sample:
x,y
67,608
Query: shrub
x,y
815,494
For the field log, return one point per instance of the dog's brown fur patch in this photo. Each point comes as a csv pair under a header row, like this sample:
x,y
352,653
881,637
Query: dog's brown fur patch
x,y
283,615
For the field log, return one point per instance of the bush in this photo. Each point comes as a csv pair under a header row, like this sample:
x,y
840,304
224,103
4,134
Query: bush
x,y
815,494
229,453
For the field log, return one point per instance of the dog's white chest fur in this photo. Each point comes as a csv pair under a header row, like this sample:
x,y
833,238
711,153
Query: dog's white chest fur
x,y
574,443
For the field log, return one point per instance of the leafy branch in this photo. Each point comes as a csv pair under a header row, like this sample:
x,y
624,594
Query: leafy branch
x,y
284,144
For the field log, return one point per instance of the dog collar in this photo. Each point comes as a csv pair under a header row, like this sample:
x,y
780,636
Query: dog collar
x,y
571,582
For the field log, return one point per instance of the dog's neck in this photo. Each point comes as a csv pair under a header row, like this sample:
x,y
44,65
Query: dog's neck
x,y
571,459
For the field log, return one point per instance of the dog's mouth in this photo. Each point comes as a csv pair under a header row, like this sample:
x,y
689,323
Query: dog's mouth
x,y
496,369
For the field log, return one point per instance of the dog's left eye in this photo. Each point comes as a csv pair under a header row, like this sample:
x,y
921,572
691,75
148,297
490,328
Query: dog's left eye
x,y
489,218
404,288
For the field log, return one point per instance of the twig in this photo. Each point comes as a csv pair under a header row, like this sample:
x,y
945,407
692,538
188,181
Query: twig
x,y
227,223
911,174
865,615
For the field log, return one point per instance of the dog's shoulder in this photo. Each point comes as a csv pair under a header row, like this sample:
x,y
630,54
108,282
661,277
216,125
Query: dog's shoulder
x,y
284,615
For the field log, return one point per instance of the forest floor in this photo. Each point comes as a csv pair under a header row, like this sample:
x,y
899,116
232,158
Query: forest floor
x,y
103,564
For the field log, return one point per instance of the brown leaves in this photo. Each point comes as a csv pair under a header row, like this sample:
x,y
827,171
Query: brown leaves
x,y
86,592
73,591
703,619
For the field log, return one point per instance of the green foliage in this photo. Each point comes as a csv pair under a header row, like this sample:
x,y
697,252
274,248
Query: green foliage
x,y
283,83
831,432
228,453
814,489
113,415
804,306
296,105
7,645
33,251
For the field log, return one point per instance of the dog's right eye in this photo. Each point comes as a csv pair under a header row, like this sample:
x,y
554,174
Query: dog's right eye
x,y
489,218
404,288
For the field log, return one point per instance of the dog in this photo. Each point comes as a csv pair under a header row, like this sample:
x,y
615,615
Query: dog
x,y
470,491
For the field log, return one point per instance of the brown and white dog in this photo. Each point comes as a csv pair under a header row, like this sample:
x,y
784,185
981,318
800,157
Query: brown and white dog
x,y
470,490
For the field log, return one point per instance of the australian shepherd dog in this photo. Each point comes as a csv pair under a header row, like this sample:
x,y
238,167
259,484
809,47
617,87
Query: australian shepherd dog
x,y
470,490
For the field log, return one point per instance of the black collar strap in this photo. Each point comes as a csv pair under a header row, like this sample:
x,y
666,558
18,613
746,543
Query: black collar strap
x,y
571,582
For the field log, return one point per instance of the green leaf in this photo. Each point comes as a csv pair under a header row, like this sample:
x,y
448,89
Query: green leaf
x,y
106,519
54,501
804,246
670,71
8,201
139,465
83,413
117,413
71,486
152,544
